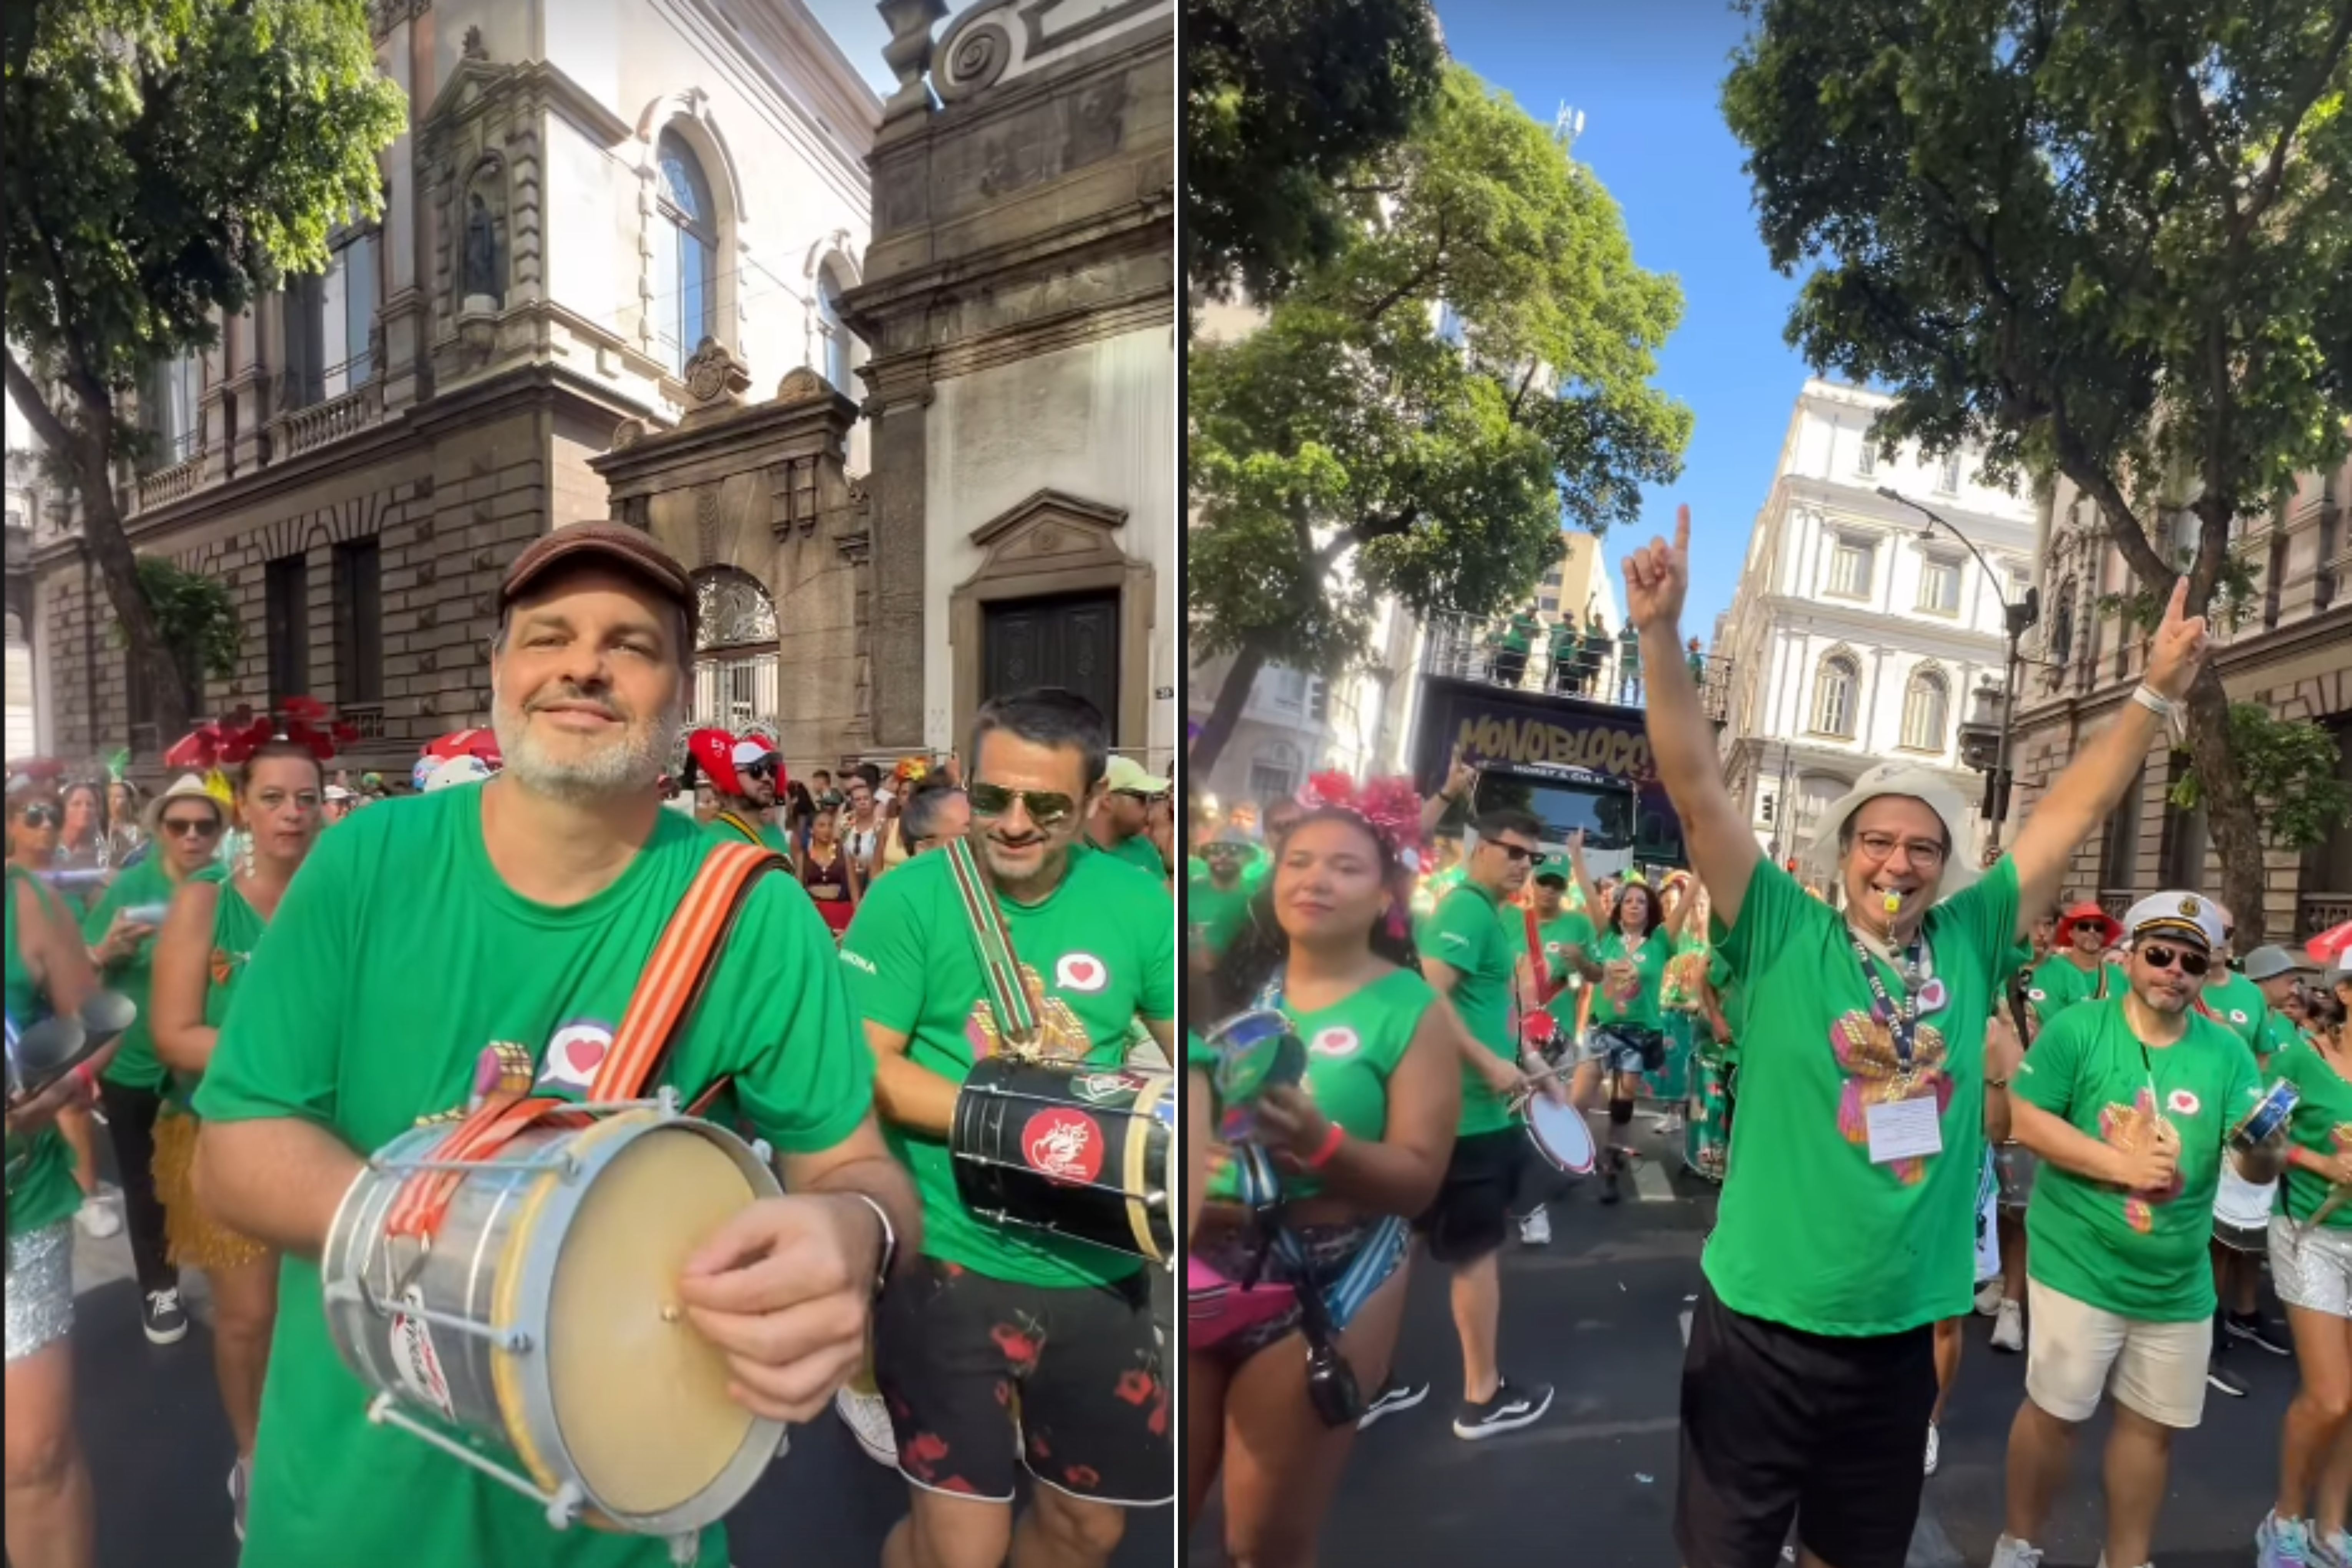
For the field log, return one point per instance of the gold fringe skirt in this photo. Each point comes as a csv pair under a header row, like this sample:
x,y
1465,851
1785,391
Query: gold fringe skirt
x,y
195,1239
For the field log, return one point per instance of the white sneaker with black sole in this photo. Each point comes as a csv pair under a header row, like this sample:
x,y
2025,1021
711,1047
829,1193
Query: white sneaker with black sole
x,y
1396,1396
1510,1409
165,1321
868,1420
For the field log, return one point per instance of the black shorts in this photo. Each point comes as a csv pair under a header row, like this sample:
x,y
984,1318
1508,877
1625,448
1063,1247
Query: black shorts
x,y
1473,1211
953,1350
1780,1424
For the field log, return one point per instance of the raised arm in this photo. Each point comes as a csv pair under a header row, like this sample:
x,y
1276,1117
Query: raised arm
x,y
1461,778
1586,887
1723,849
2091,785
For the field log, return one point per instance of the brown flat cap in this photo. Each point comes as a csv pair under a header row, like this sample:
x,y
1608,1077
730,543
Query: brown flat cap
x,y
610,545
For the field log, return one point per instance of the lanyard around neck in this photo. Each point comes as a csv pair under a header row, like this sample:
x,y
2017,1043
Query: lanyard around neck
x,y
1902,1019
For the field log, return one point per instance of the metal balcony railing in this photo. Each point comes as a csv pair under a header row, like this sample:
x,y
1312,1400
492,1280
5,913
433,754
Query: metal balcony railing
x,y
1463,648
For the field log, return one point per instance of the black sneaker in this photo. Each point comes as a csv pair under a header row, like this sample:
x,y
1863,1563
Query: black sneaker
x,y
2257,1331
2222,1379
1396,1396
1510,1409
165,1321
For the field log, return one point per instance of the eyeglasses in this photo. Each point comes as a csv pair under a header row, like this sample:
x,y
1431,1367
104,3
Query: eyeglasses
x,y
1137,795
43,816
1919,851
189,827
1514,853
1047,807
2191,964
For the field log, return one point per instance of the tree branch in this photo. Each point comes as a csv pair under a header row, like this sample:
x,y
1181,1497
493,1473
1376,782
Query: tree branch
x,y
35,404
1519,396
2322,70
2122,524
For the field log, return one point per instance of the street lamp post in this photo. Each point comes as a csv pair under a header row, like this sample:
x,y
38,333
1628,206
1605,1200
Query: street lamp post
x,y
2017,618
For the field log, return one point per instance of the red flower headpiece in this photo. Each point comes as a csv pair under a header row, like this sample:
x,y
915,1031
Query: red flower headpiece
x,y
1390,807
227,742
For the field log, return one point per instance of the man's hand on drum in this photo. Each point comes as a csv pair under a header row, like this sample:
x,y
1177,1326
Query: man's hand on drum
x,y
785,1289
1290,1126
32,1114
1538,1073
1504,1077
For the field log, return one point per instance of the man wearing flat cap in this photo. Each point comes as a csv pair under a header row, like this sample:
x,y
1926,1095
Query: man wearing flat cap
x,y
444,935
2130,1103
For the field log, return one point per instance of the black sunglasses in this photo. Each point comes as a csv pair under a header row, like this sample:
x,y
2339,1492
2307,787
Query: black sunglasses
x,y
766,770
1045,807
43,815
1514,853
190,826
2191,964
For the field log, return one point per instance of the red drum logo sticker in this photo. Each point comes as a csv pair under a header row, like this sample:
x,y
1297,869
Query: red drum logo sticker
x,y
1064,1146
414,1360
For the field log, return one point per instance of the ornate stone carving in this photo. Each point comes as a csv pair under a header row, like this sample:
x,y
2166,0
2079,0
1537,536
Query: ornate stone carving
x,y
732,609
706,525
628,433
803,385
714,377
908,52
473,47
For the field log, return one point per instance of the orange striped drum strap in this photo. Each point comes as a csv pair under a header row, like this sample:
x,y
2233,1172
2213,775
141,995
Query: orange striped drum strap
x,y
666,996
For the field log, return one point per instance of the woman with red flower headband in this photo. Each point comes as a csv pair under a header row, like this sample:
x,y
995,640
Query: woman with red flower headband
x,y
1359,1149
216,918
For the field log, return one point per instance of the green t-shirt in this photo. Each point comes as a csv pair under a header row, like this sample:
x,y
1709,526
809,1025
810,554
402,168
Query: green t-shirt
x,y
41,1189
765,832
1567,929
2277,1032
1100,953
2139,1255
237,934
1639,1004
134,1065
2323,1125
2058,982
1140,853
396,958
1465,934
1810,1233
1215,914
2238,1005
1518,634
1352,1046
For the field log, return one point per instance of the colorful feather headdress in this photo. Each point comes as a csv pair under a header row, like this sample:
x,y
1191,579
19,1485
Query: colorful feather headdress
x,y
1390,807
218,744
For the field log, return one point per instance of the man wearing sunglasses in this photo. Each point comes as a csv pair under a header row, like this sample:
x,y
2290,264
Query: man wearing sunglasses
x,y
743,776
1119,826
991,1308
2129,1103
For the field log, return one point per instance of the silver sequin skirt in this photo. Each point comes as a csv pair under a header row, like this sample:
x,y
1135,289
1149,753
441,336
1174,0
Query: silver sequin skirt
x,y
2312,1269
40,1289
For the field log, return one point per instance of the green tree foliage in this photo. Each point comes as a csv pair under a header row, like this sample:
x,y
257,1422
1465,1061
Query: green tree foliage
x,y
2290,766
2101,236
167,159
1283,100
197,618
1424,413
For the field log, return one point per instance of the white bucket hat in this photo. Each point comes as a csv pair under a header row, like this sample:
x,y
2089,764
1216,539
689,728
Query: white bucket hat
x,y
187,787
1821,857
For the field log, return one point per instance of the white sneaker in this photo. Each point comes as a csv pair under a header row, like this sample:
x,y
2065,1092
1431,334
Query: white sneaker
x,y
2010,1553
1990,1297
1933,1447
1535,1229
98,1218
868,1418
2009,1329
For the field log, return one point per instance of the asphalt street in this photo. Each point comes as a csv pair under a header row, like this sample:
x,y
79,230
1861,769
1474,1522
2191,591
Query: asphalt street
x,y
1601,1314
160,1450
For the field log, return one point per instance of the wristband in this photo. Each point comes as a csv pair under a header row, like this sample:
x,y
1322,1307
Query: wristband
x,y
2155,701
87,1078
1332,1138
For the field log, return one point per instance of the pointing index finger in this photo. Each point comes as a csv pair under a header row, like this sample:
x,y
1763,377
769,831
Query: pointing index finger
x,y
1682,528
2179,603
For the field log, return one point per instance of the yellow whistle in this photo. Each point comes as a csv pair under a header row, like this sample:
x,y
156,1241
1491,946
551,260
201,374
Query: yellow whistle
x,y
1893,903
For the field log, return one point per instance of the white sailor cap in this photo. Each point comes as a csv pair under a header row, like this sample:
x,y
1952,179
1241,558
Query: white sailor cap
x,y
2176,914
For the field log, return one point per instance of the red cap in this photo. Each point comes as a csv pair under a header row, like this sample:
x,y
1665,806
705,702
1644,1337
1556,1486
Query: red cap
x,y
612,544
713,751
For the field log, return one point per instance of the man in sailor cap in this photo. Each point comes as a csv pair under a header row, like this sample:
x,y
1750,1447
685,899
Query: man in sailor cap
x,y
2130,1103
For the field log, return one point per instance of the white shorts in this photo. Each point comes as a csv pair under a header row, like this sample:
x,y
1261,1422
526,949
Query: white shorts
x,y
2312,1271
2075,1351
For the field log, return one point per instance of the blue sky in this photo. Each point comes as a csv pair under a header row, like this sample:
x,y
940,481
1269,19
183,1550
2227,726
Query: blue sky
x,y
1647,79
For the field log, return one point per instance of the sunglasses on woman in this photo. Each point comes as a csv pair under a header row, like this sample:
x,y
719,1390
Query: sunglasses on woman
x,y
2191,964
190,826
1046,806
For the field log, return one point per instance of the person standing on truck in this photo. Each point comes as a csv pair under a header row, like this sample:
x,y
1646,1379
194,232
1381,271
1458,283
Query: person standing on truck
x,y
1508,647
1628,664
1566,674
1810,1374
1595,655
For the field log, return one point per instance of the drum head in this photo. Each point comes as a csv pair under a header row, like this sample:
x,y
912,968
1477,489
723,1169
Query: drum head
x,y
640,1397
1560,1135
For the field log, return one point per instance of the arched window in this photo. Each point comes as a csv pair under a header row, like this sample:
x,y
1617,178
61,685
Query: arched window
x,y
734,651
686,254
1834,688
1926,709
839,346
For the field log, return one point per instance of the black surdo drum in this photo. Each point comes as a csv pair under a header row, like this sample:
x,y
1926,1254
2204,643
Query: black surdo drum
x,y
1086,1151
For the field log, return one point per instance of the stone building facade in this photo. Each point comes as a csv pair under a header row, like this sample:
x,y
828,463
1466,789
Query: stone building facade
x,y
1019,303
2292,653
586,191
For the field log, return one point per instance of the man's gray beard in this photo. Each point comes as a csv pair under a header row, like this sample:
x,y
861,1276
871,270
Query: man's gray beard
x,y
624,768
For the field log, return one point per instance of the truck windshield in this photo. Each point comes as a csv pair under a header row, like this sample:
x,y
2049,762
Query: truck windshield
x,y
1604,813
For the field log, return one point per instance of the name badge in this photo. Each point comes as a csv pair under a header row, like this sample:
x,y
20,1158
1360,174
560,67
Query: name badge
x,y
1904,1129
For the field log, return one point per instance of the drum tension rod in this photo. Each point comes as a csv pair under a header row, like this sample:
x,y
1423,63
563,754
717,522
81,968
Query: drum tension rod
x,y
562,1505
514,1341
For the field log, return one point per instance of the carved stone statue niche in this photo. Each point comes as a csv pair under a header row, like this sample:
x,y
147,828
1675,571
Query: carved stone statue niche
x,y
484,273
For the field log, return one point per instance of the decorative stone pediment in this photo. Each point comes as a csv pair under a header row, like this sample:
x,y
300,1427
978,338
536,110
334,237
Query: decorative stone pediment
x,y
715,380
1051,531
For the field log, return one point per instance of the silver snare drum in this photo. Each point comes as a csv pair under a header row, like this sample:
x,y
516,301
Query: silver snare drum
x,y
536,1334
2016,1165
2242,1213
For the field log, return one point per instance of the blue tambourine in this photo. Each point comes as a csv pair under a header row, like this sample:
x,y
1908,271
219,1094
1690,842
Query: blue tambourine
x,y
2268,1118
1255,1051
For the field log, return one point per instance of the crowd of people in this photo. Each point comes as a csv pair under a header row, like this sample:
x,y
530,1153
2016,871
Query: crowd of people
x,y
320,969
2071,1122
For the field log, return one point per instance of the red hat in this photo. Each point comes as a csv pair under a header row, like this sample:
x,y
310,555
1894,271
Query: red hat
x,y
713,751
2088,912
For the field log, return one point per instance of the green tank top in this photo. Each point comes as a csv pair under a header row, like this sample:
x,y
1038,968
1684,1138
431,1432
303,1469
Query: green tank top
x,y
1639,1005
40,1173
1352,1046
237,931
